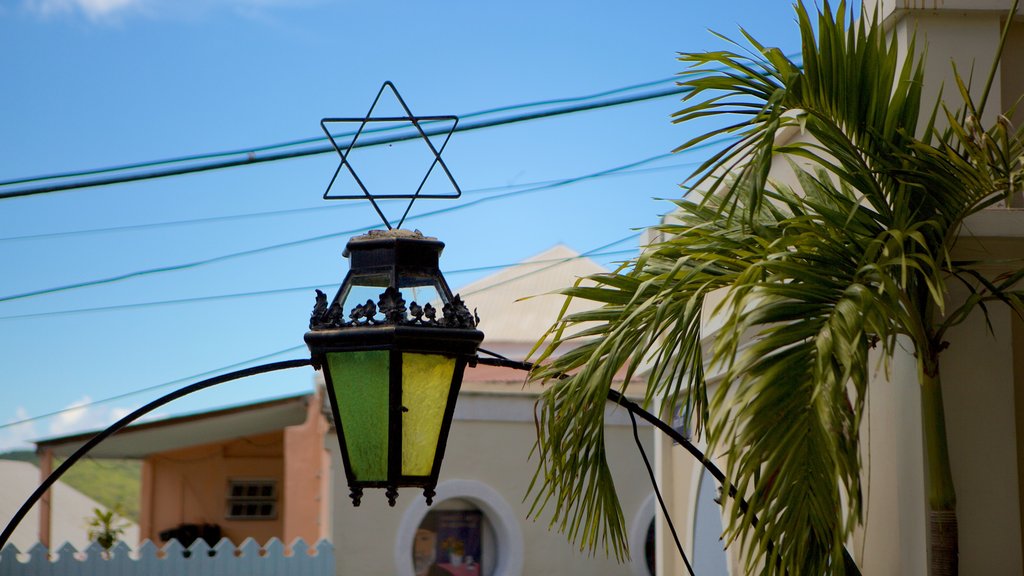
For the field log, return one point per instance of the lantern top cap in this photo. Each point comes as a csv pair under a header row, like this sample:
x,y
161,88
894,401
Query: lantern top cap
x,y
381,238
392,233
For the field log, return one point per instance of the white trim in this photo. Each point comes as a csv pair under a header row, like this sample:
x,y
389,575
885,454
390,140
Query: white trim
x,y
638,537
516,407
501,516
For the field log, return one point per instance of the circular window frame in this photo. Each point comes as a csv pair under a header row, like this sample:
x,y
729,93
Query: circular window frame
x,y
508,534
638,537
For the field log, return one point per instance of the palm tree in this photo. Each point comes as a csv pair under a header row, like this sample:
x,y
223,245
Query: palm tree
x,y
855,255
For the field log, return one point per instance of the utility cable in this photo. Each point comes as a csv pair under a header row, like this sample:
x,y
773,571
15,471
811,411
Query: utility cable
x,y
251,251
657,492
310,140
338,206
367,141
304,141
571,106
154,387
631,407
591,252
290,289
128,419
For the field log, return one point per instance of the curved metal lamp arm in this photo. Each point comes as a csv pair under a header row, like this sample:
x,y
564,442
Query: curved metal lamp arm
x,y
116,426
616,397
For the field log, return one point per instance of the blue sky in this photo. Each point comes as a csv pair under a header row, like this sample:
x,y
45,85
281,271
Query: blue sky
x,y
96,83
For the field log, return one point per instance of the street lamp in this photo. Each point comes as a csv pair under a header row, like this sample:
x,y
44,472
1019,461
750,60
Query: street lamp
x,y
393,345
394,342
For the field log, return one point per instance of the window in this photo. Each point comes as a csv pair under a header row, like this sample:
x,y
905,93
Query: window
x,y
641,539
252,499
454,538
468,517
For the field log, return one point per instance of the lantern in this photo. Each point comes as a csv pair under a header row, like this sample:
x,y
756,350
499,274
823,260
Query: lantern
x,y
393,345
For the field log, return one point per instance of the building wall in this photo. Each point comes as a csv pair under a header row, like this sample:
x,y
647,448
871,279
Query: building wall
x,y
983,376
488,463
978,385
978,370
307,469
190,486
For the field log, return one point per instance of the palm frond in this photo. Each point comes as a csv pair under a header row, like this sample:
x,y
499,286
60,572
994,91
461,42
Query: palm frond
x,y
854,256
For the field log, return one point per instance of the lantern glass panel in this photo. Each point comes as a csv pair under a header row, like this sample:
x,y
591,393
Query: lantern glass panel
x,y
422,290
426,382
364,288
360,381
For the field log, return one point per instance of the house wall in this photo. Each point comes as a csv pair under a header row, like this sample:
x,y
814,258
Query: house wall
x,y
307,468
978,385
190,486
487,463
978,370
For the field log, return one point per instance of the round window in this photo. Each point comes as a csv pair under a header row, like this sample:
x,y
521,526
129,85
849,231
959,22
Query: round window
x,y
469,531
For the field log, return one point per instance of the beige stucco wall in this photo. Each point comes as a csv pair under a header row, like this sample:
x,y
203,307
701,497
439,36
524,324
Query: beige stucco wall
x,y
978,384
496,454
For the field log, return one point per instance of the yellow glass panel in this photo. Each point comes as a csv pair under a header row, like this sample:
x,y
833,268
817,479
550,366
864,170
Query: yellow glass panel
x,y
426,381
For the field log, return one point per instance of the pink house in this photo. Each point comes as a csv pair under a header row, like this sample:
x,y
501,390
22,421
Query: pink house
x,y
259,470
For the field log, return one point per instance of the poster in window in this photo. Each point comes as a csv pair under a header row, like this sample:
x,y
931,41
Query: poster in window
x,y
449,543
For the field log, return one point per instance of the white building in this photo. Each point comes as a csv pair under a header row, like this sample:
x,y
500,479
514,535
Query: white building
x,y
983,372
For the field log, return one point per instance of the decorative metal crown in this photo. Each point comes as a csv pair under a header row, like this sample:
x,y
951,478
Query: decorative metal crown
x,y
392,307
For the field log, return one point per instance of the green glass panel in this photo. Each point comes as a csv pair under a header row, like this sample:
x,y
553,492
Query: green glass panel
x,y
426,380
360,381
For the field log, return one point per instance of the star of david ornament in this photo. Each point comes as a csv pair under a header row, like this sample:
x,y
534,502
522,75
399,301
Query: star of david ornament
x,y
436,125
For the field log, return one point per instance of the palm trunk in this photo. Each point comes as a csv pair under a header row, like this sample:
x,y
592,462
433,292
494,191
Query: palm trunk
x,y
942,522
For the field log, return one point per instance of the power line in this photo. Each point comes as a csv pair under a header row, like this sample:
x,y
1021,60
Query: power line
x,y
251,251
555,262
252,158
304,141
151,388
287,290
335,206
367,141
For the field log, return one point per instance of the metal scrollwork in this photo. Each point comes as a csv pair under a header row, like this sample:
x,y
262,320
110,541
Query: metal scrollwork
x,y
392,307
324,317
457,315
364,314
319,315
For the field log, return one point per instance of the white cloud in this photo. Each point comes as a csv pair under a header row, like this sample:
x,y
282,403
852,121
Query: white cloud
x,y
118,413
76,417
92,9
79,417
71,418
113,10
18,437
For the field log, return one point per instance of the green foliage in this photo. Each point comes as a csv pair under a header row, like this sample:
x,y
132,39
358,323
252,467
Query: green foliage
x,y
112,483
105,528
20,456
804,281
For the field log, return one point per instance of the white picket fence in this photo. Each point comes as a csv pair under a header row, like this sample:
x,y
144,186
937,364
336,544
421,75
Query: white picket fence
x,y
227,560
